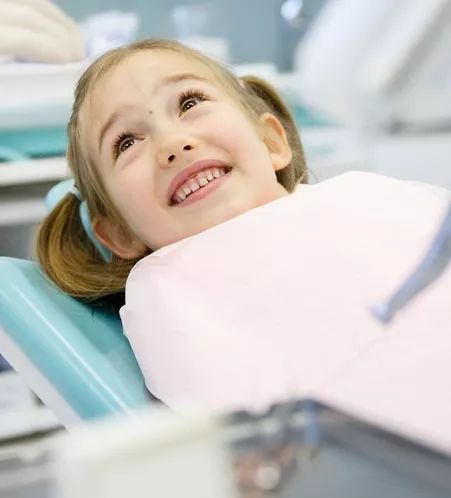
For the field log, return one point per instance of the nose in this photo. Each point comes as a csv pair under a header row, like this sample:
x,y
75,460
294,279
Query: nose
x,y
175,148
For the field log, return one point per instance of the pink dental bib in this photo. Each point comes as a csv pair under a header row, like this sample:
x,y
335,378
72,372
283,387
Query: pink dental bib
x,y
275,303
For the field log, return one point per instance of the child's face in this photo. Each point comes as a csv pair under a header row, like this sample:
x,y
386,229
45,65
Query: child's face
x,y
176,153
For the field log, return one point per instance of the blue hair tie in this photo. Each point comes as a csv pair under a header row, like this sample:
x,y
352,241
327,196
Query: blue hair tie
x,y
68,187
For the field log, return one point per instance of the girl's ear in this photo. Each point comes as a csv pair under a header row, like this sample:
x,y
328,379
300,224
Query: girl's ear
x,y
275,139
117,240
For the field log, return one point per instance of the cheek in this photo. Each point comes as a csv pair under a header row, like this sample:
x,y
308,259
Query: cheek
x,y
132,197
143,217
232,130
126,195
133,183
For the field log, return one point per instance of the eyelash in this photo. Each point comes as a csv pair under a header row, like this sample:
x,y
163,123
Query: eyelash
x,y
118,142
189,95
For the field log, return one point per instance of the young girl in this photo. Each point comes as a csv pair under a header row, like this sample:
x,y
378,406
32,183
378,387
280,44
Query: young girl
x,y
239,294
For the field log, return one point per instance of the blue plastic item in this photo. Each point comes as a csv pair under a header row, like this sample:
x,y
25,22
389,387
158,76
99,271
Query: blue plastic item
x,y
80,351
57,192
32,142
61,189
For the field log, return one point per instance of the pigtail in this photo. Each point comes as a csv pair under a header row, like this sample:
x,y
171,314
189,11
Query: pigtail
x,y
296,172
69,259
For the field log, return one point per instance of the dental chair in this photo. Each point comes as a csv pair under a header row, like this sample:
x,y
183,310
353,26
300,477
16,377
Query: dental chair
x,y
74,357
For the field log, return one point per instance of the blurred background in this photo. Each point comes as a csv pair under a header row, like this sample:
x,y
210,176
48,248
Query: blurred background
x,y
256,30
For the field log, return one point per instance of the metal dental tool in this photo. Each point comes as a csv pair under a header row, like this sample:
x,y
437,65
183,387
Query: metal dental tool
x,y
429,270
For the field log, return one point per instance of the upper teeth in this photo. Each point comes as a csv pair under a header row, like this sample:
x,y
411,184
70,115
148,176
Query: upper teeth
x,y
199,181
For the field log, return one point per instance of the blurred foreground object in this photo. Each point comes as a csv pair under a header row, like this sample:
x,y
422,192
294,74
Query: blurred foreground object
x,y
296,449
38,31
151,454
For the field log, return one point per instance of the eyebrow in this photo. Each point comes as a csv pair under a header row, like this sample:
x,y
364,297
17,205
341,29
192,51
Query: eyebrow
x,y
167,80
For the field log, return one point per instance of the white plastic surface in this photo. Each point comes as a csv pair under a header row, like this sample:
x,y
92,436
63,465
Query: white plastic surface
x,y
24,209
37,94
33,171
14,394
24,422
154,454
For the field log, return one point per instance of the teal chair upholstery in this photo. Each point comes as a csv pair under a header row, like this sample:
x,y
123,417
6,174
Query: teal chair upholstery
x,y
74,357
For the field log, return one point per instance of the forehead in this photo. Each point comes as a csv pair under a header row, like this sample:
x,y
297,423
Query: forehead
x,y
139,72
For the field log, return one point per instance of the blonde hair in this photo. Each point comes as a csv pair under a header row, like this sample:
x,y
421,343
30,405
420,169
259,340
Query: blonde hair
x,y
65,253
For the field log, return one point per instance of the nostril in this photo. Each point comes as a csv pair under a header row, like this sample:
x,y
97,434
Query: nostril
x,y
171,158
187,147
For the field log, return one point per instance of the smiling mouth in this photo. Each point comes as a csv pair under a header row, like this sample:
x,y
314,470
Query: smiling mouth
x,y
195,185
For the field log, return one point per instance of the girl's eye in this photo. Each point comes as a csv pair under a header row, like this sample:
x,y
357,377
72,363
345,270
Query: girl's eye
x,y
190,99
122,143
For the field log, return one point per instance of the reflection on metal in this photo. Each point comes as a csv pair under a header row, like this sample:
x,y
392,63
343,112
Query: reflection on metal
x,y
305,449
